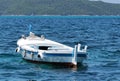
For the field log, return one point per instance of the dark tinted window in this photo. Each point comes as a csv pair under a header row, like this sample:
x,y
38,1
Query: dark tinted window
x,y
43,47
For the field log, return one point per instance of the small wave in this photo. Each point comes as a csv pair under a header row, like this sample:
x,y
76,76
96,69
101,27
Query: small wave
x,y
8,55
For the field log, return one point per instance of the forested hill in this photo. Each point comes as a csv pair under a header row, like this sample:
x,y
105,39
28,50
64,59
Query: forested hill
x,y
57,7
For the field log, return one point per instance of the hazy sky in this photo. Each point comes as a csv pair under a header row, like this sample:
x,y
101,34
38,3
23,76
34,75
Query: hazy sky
x,y
110,1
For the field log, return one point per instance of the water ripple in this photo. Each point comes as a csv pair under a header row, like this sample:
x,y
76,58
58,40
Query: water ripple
x,y
100,34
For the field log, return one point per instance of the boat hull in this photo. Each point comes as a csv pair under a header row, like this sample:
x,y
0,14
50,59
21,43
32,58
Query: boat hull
x,y
53,57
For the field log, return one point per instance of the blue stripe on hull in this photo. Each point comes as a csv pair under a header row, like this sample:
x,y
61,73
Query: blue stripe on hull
x,y
64,55
59,54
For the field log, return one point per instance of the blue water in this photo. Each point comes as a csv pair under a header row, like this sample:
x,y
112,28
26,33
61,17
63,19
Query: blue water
x,y
101,34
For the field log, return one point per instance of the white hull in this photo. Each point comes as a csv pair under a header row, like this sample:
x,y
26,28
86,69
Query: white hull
x,y
53,58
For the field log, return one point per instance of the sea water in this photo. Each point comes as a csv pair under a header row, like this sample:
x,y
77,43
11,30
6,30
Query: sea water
x,y
101,34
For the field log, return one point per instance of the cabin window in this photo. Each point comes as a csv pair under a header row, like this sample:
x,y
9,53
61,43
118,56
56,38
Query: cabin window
x,y
43,47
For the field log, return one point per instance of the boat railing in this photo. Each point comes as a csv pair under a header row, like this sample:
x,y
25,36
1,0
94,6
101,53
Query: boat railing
x,y
81,50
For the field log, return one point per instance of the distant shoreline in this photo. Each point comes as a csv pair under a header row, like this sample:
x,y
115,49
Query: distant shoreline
x,y
59,15
58,8
64,16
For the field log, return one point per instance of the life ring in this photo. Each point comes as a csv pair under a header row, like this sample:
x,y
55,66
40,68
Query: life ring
x,y
17,49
